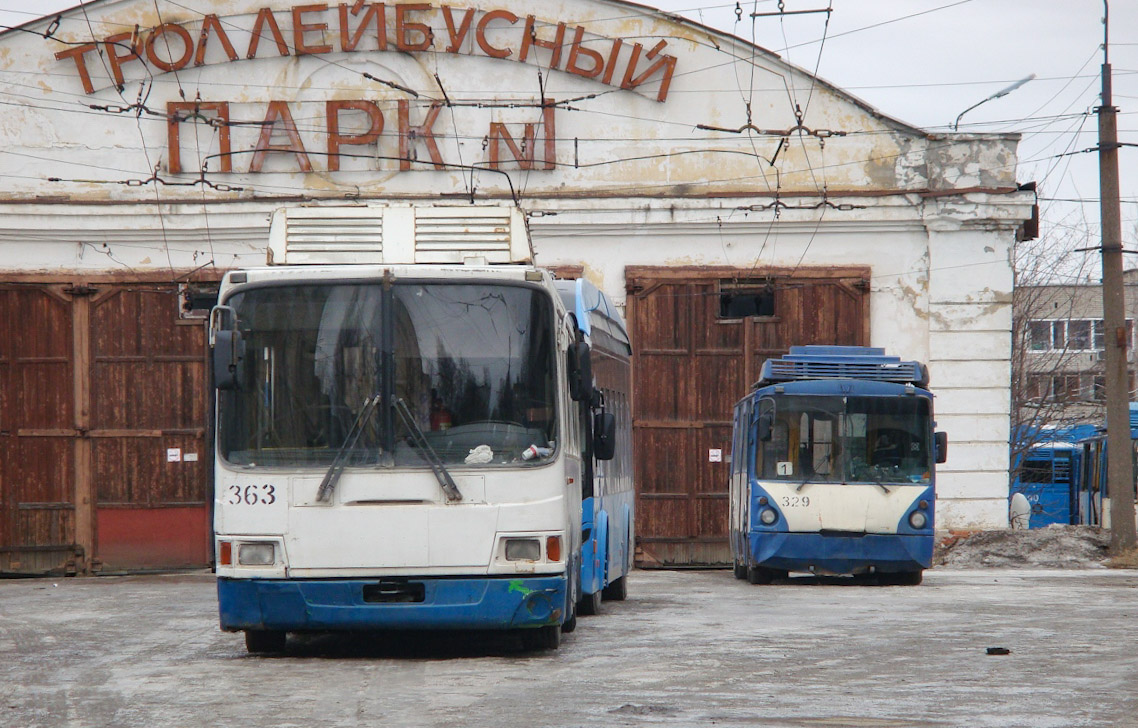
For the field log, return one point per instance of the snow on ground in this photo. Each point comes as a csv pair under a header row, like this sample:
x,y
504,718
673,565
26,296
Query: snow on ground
x,y
1053,547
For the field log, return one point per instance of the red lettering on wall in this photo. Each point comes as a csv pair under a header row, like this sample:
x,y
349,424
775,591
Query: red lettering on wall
x,y
374,12
265,19
120,50
469,30
279,115
457,36
530,39
668,63
211,23
576,50
405,29
611,65
480,34
300,27
77,52
408,134
179,111
524,154
337,140
159,34
550,131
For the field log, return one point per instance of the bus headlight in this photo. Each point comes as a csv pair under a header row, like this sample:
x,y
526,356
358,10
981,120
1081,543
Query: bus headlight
x,y
256,554
768,516
523,549
918,520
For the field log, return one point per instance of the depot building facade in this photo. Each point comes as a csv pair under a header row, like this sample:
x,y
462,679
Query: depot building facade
x,y
730,202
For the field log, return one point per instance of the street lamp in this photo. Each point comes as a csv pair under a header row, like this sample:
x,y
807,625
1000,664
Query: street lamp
x,y
998,94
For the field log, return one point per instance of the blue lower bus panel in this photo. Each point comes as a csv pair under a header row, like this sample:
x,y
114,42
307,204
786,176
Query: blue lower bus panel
x,y
360,604
836,554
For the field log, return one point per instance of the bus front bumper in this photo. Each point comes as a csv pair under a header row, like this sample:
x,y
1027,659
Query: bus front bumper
x,y
841,554
351,604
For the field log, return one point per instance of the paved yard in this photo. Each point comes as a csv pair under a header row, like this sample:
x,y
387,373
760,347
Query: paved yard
x,y
689,648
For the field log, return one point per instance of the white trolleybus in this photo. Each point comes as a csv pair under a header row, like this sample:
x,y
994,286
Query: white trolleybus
x,y
833,467
416,429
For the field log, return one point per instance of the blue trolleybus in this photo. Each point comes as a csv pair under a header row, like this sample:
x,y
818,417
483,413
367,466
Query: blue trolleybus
x,y
416,429
832,469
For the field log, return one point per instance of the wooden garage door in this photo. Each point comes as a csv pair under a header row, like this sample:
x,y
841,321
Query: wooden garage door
x,y
37,431
697,349
147,431
103,415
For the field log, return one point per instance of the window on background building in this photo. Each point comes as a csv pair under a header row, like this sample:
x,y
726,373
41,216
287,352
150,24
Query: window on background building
x,y
743,299
1098,388
1058,335
1065,388
1079,335
1072,335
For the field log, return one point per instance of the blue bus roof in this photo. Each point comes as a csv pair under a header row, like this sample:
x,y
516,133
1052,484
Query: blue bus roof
x,y
842,362
592,308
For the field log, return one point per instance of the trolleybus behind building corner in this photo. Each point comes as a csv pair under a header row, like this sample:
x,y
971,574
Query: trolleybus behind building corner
x,y
833,467
407,427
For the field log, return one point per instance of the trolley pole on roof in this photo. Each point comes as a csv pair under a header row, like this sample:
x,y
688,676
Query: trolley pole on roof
x,y
1120,471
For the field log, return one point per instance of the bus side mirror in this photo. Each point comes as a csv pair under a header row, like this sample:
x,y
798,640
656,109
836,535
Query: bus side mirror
x,y
764,425
228,348
604,435
940,444
580,372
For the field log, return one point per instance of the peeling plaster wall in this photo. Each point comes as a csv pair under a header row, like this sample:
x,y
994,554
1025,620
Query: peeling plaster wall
x,y
630,179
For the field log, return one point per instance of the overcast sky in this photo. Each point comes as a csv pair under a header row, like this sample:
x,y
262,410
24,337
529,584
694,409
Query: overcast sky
x,y
926,61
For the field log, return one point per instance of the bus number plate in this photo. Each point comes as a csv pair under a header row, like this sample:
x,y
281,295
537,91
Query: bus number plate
x,y
251,495
795,501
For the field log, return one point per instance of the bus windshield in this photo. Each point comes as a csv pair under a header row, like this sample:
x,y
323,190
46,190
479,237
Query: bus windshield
x,y
473,363
846,440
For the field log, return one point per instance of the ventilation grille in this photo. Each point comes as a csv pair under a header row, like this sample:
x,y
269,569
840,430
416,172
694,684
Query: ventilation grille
x,y
326,235
866,363
448,235
901,372
398,234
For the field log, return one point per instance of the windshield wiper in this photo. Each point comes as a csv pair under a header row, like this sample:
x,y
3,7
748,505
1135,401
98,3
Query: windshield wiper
x,y
336,469
428,453
878,479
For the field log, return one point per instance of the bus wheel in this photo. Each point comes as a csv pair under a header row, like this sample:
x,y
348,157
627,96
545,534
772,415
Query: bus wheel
x,y
759,575
740,570
570,624
542,638
901,578
590,604
617,591
260,641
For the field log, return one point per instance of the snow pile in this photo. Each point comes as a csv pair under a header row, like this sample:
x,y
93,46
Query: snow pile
x,y
1053,547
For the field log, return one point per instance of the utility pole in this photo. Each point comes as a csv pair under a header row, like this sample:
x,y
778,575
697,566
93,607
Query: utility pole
x,y
1119,468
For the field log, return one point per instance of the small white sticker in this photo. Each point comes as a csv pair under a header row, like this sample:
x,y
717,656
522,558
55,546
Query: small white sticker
x,y
786,468
173,454
190,457
714,455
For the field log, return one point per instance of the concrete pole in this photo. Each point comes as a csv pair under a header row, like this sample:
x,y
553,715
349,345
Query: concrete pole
x,y
1119,466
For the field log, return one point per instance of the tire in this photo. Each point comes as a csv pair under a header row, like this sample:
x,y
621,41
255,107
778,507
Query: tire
x,y
590,604
542,638
569,624
901,578
262,641
617,591
740,570
759,575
